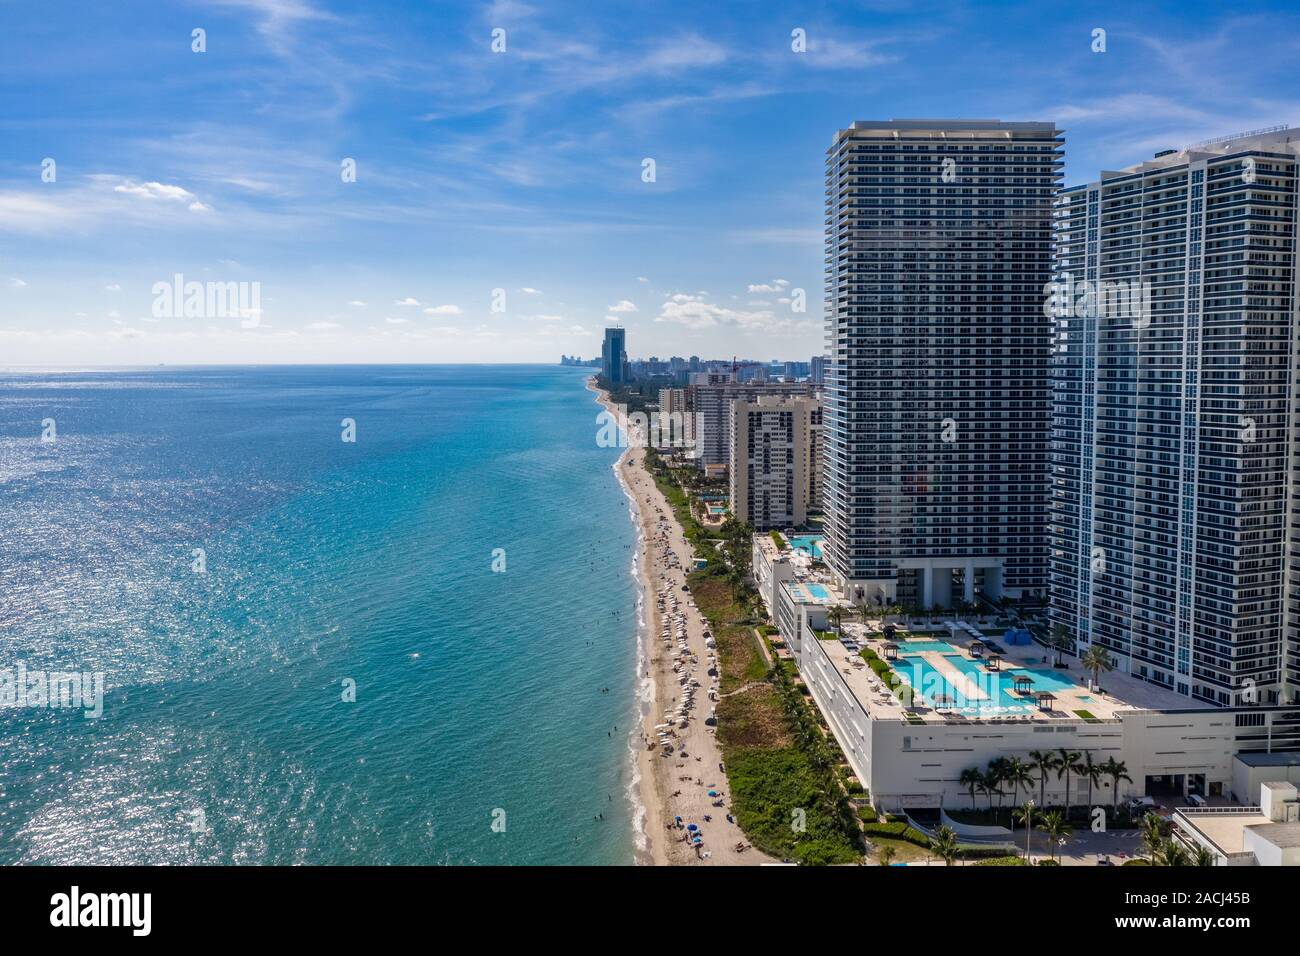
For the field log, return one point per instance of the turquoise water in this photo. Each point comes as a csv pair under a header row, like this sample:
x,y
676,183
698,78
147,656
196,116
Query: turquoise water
x,y
811,543
818,591
914,646
1047,680
326,561
929,683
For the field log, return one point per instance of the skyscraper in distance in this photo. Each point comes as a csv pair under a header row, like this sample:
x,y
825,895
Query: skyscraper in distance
x,y
938,248
613,356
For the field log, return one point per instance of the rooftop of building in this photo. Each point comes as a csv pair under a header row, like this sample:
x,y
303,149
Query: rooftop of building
x,y
1286,759
941,125
1273,139
817,593
993,696
1225,827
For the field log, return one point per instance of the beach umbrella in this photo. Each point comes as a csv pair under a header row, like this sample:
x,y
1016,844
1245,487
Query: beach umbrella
x,y
692,827
713,793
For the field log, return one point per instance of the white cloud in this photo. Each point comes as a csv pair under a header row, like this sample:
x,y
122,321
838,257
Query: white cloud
x,y
153,190
623,306
529,290
693,312
836,54
642,279
16,283
407,301
357,304
112,287
776,285
391,321
443,310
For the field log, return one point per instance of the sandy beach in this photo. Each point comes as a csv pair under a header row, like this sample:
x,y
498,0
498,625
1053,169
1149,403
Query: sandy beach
x,y
676,666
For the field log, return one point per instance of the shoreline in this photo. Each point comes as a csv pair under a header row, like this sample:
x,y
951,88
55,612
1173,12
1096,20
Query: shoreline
x,y
671,786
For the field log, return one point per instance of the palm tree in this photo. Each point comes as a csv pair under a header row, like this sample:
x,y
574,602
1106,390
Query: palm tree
x,y
1171,853
1202,857
1097,659
1019,774
992,784
1092,772
834,616
1056,828
944,844
886,855
1153,835
972,780
1067,764
1025,814
997,775
1044,761
1117,770
1059,640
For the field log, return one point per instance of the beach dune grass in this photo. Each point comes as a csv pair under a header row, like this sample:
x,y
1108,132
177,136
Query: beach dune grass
x,y
778,794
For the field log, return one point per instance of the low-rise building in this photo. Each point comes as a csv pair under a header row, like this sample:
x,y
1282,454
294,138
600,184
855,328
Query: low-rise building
x,y
949,703
1264,835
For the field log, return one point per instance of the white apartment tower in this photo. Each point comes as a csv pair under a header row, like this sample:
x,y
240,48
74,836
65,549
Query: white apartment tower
x,y
938,249
1174,513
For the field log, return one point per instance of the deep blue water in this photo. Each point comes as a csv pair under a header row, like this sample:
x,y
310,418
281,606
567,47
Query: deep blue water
x,y
326,561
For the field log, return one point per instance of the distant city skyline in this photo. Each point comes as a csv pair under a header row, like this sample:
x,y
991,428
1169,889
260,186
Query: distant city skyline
x,y
390,189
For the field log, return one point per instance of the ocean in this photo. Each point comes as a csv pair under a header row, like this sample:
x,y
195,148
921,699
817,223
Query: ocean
x,y
411,648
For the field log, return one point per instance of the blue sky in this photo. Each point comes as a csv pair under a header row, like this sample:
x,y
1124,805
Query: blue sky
x,y
522,170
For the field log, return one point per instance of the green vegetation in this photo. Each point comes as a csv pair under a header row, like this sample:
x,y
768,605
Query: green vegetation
x,y
781,764
878,666
1097,660
777,757
899,830
1005,777
778,540
1003,861
1085,715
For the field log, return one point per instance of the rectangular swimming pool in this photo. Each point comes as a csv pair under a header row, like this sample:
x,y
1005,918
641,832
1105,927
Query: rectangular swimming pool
x,y
994,687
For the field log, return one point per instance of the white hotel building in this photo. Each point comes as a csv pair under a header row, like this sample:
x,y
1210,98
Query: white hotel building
x,y
1174,427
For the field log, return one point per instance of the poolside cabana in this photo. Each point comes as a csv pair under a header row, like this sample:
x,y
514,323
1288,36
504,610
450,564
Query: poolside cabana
x,y
1022,684
942,701
994,662
1046,700
976,648
890,650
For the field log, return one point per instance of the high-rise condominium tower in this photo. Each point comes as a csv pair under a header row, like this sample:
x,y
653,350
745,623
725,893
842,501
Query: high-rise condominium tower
x,y
613,356
1174,478
938,244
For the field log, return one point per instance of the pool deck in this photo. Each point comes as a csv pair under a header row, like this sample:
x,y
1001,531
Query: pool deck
x,y
1123,693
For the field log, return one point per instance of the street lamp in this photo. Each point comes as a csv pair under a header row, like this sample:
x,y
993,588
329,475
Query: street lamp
x,y
1029,827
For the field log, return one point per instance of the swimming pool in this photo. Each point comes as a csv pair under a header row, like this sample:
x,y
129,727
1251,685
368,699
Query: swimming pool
x,y
995,695
809,543
916,645
818,591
